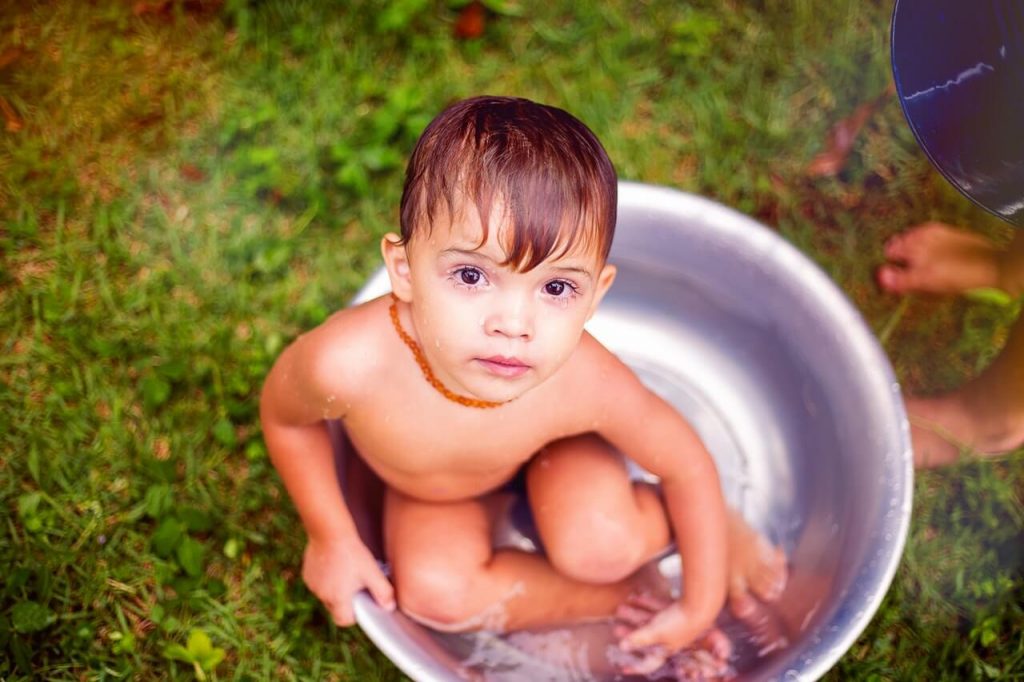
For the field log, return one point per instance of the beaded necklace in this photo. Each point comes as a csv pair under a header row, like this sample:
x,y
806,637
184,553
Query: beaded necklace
x,y
428,374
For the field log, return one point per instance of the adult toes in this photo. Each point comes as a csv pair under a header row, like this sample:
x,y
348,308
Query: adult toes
x,y
897,248
894,279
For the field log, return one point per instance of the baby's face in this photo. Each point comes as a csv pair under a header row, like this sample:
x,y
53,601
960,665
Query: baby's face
x,y
486,330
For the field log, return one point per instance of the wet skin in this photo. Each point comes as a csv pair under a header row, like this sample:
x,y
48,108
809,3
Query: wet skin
x,y
492,333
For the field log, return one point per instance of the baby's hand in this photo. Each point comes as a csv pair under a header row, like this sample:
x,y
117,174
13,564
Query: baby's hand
x,y
655,630
335,571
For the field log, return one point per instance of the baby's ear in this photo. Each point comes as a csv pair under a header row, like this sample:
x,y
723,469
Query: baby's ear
x,y
396,260
604,282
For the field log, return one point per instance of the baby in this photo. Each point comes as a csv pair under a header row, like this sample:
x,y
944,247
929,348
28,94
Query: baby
x,y
476,367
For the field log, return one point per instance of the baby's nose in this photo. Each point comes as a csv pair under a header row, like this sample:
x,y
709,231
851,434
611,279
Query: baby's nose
x,y
511,320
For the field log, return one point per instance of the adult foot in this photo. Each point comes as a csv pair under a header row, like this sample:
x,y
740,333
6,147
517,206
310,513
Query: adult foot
x,y
943,427
935,258
756,567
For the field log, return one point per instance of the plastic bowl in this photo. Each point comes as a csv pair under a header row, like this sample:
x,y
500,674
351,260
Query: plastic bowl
x,y
791,394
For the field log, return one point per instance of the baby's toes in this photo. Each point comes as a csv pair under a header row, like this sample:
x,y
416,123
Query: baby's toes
x,y
718,644
700,665
646,661
742,605
769,580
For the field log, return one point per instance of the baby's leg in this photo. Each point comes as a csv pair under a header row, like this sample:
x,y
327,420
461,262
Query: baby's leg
x,y
597,526
447,576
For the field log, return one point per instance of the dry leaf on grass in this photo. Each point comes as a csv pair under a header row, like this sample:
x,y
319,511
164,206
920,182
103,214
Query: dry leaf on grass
x,y
842,136
13,121
470,23
191,172
10,55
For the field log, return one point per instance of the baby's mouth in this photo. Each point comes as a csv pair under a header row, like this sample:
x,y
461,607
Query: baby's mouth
x,y
504,366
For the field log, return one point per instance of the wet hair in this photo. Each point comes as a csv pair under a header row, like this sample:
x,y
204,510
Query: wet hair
x,y
556,182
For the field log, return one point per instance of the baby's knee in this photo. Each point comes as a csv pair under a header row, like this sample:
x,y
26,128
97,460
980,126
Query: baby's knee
x,y
600,556
435,595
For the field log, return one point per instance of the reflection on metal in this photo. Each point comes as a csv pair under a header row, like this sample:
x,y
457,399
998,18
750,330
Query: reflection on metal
x,y
793,397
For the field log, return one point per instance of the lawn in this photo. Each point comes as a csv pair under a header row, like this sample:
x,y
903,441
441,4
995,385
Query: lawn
x,y
186,186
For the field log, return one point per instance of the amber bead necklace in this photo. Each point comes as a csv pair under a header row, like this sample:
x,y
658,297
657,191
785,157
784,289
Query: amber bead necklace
x,y
428,373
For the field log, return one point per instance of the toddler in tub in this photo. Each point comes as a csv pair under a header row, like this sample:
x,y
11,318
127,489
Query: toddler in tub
x,y
477,366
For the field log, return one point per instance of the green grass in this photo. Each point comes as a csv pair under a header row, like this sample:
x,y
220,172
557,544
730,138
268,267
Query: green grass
x,y
191,189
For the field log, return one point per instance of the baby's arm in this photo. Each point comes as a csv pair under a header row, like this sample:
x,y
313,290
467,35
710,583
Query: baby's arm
x,y
293,405
658,438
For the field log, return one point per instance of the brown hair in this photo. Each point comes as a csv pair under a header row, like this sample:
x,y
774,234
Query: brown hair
x,y
556,181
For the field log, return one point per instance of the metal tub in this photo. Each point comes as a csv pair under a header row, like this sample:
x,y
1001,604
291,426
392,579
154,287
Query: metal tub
x,y
793,397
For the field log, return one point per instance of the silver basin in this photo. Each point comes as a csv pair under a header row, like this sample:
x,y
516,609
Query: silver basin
x,y
793,397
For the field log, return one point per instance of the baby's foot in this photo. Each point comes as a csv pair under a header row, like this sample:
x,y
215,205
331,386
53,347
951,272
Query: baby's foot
x,y
706,659
755,567
765,629
935,258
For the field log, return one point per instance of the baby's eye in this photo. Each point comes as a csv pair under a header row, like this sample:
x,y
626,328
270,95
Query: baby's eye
x,y
469,276
559,288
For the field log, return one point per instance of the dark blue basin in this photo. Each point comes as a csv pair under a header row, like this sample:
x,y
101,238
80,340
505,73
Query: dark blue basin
x,y
959,71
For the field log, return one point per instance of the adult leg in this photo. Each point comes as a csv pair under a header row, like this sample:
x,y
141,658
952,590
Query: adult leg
x,y
447,576
985,415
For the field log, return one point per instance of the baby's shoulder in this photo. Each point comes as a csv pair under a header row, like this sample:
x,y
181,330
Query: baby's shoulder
x,y
344,351
591,354
602,392
592,366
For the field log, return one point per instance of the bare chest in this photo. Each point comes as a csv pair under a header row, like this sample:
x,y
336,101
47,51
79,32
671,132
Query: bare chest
x,y
447,453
